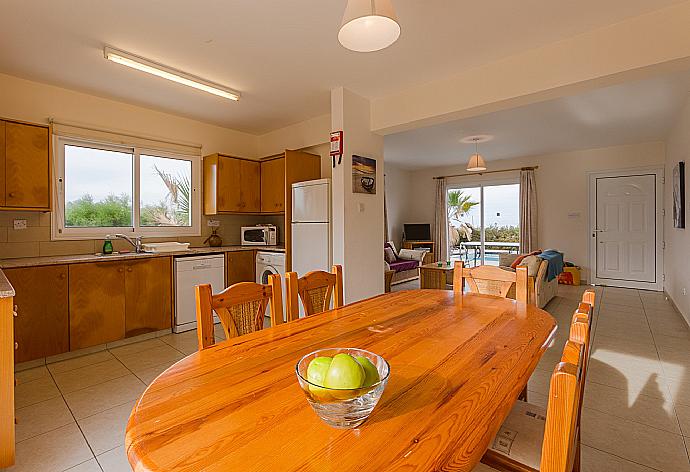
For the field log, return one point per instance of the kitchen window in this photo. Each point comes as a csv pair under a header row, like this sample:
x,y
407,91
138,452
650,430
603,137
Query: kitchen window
x,y
105,188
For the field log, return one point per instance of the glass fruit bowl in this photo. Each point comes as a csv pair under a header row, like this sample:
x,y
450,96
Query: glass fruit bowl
x,y
344,408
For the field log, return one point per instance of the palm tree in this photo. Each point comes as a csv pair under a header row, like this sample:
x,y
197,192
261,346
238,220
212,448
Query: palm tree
x,y
458,206
179,191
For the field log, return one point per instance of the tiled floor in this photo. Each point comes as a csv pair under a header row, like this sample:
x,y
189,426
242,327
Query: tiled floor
x,y
72,414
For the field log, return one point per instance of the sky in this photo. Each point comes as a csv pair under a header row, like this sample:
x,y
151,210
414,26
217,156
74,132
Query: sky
x,y
102,173
501,205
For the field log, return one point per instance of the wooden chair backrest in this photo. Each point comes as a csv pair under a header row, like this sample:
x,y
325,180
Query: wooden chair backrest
x,y
560,444
491,280
315,289
241,308
589,297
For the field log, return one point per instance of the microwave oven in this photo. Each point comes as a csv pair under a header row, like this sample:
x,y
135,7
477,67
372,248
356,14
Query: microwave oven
x,y
266,235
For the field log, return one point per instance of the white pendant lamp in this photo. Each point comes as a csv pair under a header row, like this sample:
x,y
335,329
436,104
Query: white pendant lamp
x,y
476,163
369,25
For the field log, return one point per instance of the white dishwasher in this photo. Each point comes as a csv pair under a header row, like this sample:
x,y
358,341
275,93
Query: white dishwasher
x,y
190,272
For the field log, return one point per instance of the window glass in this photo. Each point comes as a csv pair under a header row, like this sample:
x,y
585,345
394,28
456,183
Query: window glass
x,y
98,187
165,191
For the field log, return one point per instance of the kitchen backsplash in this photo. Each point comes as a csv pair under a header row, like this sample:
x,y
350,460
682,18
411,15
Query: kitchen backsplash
x,y
35,239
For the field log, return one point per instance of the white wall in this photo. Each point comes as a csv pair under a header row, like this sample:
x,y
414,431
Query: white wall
x,y
398,186
308,133
677,255
562,188
357,218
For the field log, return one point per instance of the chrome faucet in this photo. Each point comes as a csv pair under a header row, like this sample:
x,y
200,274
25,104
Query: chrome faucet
x,y
135,242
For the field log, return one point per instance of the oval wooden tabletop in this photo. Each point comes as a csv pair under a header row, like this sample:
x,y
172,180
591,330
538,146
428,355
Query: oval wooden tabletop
x,y
457,366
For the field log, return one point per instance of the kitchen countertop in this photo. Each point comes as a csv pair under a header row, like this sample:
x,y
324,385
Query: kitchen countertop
x,y
77,258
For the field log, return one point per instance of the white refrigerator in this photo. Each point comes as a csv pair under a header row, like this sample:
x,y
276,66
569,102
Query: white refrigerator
x,y
311,226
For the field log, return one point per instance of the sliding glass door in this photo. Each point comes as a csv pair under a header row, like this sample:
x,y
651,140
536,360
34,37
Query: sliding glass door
x,y
483,222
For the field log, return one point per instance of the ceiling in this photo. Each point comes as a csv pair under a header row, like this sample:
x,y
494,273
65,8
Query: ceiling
x,y
632,112
283,56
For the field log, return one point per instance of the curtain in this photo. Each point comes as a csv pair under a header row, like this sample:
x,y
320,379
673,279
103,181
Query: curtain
x,y
528,211
385,213
441,221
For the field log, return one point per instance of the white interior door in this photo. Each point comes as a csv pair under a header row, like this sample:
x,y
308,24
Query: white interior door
x,y
625,230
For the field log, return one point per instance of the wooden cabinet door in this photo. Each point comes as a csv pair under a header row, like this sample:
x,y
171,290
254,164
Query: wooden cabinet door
x,y
273,186
41,328
240,266
2,162
229,196
148,295
96,303
27,166
250,186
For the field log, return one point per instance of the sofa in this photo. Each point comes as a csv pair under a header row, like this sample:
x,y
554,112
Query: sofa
x,y
539,290
405,263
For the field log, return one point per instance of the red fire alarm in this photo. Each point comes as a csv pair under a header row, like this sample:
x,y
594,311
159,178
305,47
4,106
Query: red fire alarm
x,y
336,143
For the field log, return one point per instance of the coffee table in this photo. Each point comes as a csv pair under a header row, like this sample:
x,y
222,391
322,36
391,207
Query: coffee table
x,y
433,276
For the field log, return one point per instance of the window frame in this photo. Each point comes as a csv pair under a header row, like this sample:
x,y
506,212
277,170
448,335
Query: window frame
x,y
60,232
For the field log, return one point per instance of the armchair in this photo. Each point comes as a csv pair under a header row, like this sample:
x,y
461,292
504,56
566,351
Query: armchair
x,y
539,290
405,265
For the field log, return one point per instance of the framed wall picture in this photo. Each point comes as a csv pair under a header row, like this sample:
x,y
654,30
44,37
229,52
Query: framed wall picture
x,y
679,195
363,175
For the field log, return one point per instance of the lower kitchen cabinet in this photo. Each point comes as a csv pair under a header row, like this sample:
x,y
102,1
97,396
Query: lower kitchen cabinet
x,y
240,266
148,295
96,303
41,328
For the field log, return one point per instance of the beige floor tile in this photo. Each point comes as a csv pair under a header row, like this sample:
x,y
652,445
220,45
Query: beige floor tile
x,y
680,390
639,333
41,417
683,412
652,411
89,375
607,324
81,361
537,399
148,375
594,460
186,342
539,382
28,393
89,466
143,360
635,382
54,451
31,374
130,349
625,346
633,441
626,362
106,430
672,343
91,400
114,460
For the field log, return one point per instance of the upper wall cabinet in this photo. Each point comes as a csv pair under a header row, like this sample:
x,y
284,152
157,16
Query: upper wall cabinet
x,y
231,185
273,185
24,166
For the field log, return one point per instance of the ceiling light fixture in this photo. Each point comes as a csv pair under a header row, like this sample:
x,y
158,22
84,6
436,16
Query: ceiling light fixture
x,y
159,70
476,163
369,25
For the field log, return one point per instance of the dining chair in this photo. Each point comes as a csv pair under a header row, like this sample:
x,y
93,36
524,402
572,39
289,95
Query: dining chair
x,y
241,308
545,440
315,289
491,280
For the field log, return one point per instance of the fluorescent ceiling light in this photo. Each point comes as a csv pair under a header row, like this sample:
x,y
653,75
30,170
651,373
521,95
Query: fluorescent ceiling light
x,y
159,70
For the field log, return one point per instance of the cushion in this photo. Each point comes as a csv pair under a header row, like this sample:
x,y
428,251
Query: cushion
x,y
519,258
412,254
522,434
532,263
391,245
389,255
401,265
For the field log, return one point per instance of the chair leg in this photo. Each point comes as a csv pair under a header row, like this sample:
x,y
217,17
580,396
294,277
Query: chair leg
x,y
523,395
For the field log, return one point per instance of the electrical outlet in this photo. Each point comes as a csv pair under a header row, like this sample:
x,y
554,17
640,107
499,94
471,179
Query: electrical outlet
x,y
19,224
684,292
213,223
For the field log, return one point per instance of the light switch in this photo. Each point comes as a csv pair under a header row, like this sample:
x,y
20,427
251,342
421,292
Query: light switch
x,y
19,224
213,223
361,207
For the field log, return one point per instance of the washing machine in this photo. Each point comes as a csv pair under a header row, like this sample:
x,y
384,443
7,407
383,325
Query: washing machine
x,y
268,263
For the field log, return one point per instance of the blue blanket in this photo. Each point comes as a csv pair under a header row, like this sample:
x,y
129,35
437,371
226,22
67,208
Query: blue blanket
x,y
555,260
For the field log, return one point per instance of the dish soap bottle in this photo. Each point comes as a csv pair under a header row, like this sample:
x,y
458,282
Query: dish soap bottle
x,y
107,245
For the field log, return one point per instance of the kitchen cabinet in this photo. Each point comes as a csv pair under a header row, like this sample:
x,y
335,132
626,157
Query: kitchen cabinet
x,y
148,295
41,327
273,185
113,300
96,303
240,266
231,185
26,166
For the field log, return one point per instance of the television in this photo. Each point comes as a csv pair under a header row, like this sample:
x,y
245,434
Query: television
x,y
417,232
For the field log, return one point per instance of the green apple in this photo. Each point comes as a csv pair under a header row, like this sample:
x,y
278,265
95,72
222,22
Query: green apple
x,y
317,370
371,373
344,373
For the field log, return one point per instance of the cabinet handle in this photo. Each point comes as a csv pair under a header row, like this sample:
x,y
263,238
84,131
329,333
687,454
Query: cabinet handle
x,y
120,269
11,194
62,276
16,345
129,269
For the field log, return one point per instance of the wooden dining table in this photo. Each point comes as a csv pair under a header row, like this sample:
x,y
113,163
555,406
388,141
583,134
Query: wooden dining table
x,y
458,363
